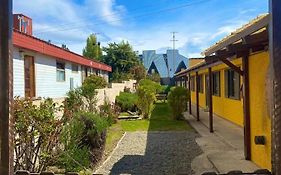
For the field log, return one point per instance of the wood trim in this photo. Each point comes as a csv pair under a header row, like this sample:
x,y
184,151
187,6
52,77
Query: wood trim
x,y
275,88
189,88
247,31
211,127
197,97
246,108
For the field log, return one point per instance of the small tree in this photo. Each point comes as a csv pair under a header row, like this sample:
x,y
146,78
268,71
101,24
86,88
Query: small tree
x,y
177,99
146,92
88,90
92,49
138,72
154,77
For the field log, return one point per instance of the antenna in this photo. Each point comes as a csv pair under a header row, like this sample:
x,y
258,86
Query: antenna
x,y
174,47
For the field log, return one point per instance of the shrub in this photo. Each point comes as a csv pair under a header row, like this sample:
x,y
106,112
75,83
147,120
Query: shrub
x,y
88,90
146,92
37,132
110,112
83,139
154,77
177,100
127,101
165,89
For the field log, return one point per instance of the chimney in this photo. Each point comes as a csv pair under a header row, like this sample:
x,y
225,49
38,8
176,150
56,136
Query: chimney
x,y
23,24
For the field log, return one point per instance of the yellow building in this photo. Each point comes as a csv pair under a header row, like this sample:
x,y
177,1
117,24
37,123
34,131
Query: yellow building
x,y
232,83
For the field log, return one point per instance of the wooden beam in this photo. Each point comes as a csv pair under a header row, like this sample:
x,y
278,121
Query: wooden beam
x,y
275,96
232,66
197,97
257,38
246,108
232,39
211,127
6,89
189,88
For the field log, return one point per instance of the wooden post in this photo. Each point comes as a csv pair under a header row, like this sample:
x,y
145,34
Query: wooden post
x,y
246,107
210,100
275,70
6,86
197,97
189,89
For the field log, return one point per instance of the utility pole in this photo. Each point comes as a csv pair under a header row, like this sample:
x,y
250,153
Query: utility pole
x,y
174,47
275,70
6,88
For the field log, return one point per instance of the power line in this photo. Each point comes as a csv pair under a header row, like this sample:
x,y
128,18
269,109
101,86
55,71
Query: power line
x,y
138,16
100,17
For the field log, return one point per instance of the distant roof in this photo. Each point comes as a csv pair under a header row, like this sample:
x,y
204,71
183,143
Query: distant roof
x,y
35,44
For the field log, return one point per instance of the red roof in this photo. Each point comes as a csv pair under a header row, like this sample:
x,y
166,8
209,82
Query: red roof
x,y
35,44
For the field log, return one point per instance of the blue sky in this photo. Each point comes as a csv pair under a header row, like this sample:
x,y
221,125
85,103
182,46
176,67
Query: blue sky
x,y
146,24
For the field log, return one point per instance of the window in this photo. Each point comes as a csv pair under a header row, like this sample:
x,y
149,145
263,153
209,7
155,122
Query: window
x,y
192,83
232,83
216,83
200,83
60,71
74,68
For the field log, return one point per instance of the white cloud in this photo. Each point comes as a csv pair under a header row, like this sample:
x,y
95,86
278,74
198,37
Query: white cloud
x,y
107,10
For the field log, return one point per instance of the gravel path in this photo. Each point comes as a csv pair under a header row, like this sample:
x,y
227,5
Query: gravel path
x,y
153,153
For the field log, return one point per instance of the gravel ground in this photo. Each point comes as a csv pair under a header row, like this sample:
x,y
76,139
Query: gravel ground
x,y
153,153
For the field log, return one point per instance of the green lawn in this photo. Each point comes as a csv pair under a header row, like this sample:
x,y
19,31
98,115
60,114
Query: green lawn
x,y
114,134
161,120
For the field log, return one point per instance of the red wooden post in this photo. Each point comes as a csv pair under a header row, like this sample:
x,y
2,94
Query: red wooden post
x,y
6,96
275,62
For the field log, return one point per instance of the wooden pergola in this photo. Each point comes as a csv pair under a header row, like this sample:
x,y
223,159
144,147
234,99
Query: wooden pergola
x,y
221,53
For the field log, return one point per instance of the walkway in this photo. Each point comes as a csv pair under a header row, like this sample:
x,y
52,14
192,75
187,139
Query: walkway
x,y
153,153
223,149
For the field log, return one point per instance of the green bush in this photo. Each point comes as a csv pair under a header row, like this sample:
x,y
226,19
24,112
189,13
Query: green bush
x,y
127,101
36,134
177,99
110,112
165,89
146,92
83,139
154,77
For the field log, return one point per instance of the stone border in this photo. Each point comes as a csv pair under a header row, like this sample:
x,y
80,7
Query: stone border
x,y
110,155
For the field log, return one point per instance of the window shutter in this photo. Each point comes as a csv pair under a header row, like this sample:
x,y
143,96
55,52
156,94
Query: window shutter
x,y
236,85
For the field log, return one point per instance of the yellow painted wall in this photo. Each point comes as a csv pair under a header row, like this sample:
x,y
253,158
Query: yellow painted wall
x,y
232,110
227,108
260,119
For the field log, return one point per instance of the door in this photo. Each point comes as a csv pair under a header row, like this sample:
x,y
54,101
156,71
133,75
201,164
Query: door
x,y
29,76
207,90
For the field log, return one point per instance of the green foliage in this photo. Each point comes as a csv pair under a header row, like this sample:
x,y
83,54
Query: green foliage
x,y
36,136
127,101
121,57
149,84
154,77
110,112
83,139
118,77
88,90
177,99
92,49
138,72
165,89
146,92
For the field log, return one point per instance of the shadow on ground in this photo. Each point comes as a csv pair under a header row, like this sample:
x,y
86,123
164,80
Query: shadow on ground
x,y
166,152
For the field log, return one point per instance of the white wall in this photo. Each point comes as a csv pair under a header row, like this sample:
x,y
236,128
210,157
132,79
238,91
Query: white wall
x,y
18,74
46,84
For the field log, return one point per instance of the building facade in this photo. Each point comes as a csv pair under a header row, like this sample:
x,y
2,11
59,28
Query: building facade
x,y
42,69
232,83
